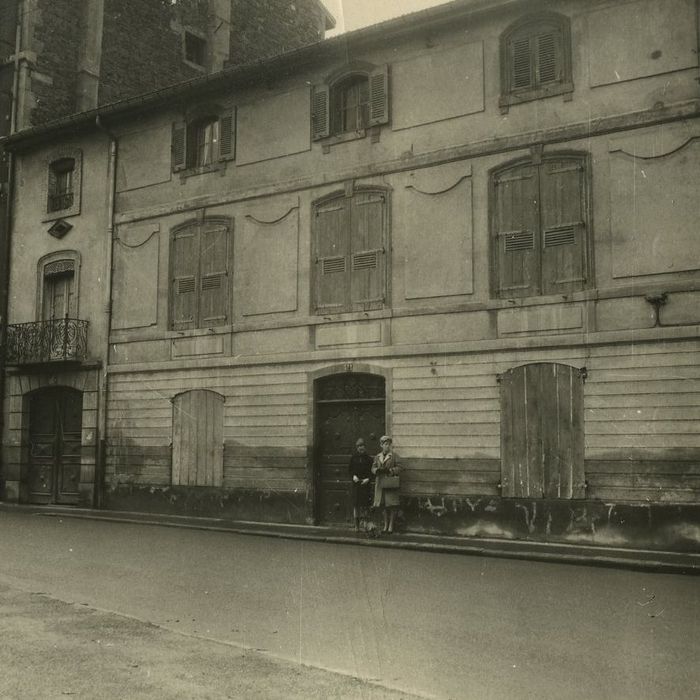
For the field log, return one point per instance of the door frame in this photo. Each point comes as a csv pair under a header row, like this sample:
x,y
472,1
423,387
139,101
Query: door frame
x,y
350,367
51,389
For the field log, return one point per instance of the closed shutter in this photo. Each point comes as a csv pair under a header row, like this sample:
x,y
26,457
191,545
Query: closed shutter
x,y
548,58
178,146
516,232
367,254
332,259
521,63
227,135
379,96
563,206
198,439
542,432
320,112
213,292
184,280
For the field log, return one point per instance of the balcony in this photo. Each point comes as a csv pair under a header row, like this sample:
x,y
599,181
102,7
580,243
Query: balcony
x,y
41,342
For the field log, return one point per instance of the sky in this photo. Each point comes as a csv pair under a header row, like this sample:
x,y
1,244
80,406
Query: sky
x,y
353,14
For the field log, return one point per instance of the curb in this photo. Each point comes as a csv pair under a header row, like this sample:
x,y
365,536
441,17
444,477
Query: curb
x,y
652,561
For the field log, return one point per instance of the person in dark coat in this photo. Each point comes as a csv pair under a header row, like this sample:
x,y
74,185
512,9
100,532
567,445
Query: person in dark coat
x,y
360,470
384,464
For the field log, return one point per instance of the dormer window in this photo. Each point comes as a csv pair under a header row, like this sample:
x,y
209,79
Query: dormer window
x,y
61,184
195,48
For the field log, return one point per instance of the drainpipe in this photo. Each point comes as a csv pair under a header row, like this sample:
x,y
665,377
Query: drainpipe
x,y
6,235
101,457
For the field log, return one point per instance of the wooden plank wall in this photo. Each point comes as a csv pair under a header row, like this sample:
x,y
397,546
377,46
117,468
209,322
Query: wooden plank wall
x,y
642,412
642,406
264,425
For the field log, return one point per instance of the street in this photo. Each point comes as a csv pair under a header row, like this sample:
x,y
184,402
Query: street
x,y
434,625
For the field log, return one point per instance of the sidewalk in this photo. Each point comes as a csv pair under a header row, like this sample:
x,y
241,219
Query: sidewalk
x,y
616,557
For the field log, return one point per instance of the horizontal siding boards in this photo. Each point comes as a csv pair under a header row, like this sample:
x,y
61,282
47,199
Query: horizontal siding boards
x,y
642,400
447,417
647,413
457,406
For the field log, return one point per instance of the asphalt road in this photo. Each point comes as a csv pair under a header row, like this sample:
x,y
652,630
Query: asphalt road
x,y
439,625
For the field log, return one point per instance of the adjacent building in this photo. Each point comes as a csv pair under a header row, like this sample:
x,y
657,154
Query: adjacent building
x,y
473,228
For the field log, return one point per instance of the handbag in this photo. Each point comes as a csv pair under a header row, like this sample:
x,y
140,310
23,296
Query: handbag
x,y
389,481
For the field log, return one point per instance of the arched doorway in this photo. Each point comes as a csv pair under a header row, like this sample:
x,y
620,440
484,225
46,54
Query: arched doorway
x,y
347,406
55,427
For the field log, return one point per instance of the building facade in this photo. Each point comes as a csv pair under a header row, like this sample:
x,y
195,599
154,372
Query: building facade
x,y
472,228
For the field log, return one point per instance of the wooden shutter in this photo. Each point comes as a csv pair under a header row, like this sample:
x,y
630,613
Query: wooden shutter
x,y
213,285
542,438
178,146
521,63
379,96
227,135
563,207
320,112
184,278
516,239
332,258
548,58
198,449
367,253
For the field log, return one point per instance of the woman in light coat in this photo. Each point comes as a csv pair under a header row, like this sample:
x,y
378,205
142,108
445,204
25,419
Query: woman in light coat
x,y
384,464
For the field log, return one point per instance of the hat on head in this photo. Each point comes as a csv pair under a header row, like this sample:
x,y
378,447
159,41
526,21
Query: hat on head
x,y
385,438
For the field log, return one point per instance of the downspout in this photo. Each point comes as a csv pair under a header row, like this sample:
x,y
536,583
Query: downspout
x,y
5,239
101,457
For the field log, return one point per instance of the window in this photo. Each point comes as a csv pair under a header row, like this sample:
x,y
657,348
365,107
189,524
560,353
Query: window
x,y
350,102
539,227
58,283
350,258
204,141
195,49
61,192
198,439
63,184
535,59
542,431
200,260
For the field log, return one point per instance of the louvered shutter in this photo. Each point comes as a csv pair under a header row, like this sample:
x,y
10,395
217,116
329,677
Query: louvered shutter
x,y
213,285
521,63
548,58
332,259
178,146
516,232
320,112
184,280
227,135
563,207
379,96
367,258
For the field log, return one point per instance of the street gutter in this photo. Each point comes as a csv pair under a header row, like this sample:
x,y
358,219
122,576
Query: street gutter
x,y
652,561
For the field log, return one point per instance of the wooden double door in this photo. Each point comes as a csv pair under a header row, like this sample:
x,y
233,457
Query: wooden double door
x,y
55,426
348,406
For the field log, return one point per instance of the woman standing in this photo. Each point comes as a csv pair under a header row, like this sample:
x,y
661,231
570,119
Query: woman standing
x,y
385,497
360,473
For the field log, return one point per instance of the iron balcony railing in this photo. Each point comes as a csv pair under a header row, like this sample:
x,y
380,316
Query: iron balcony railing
x,y
57,202
57,340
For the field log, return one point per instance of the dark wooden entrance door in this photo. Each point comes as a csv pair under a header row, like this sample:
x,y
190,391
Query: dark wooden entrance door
x,y
348,406
55,424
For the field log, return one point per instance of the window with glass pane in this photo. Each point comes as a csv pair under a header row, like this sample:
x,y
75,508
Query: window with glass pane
x,y
350,101
61,184
205,136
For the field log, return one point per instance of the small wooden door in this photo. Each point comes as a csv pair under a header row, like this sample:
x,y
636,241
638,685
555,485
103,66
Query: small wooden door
x,y
55,425
542,438
348,406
